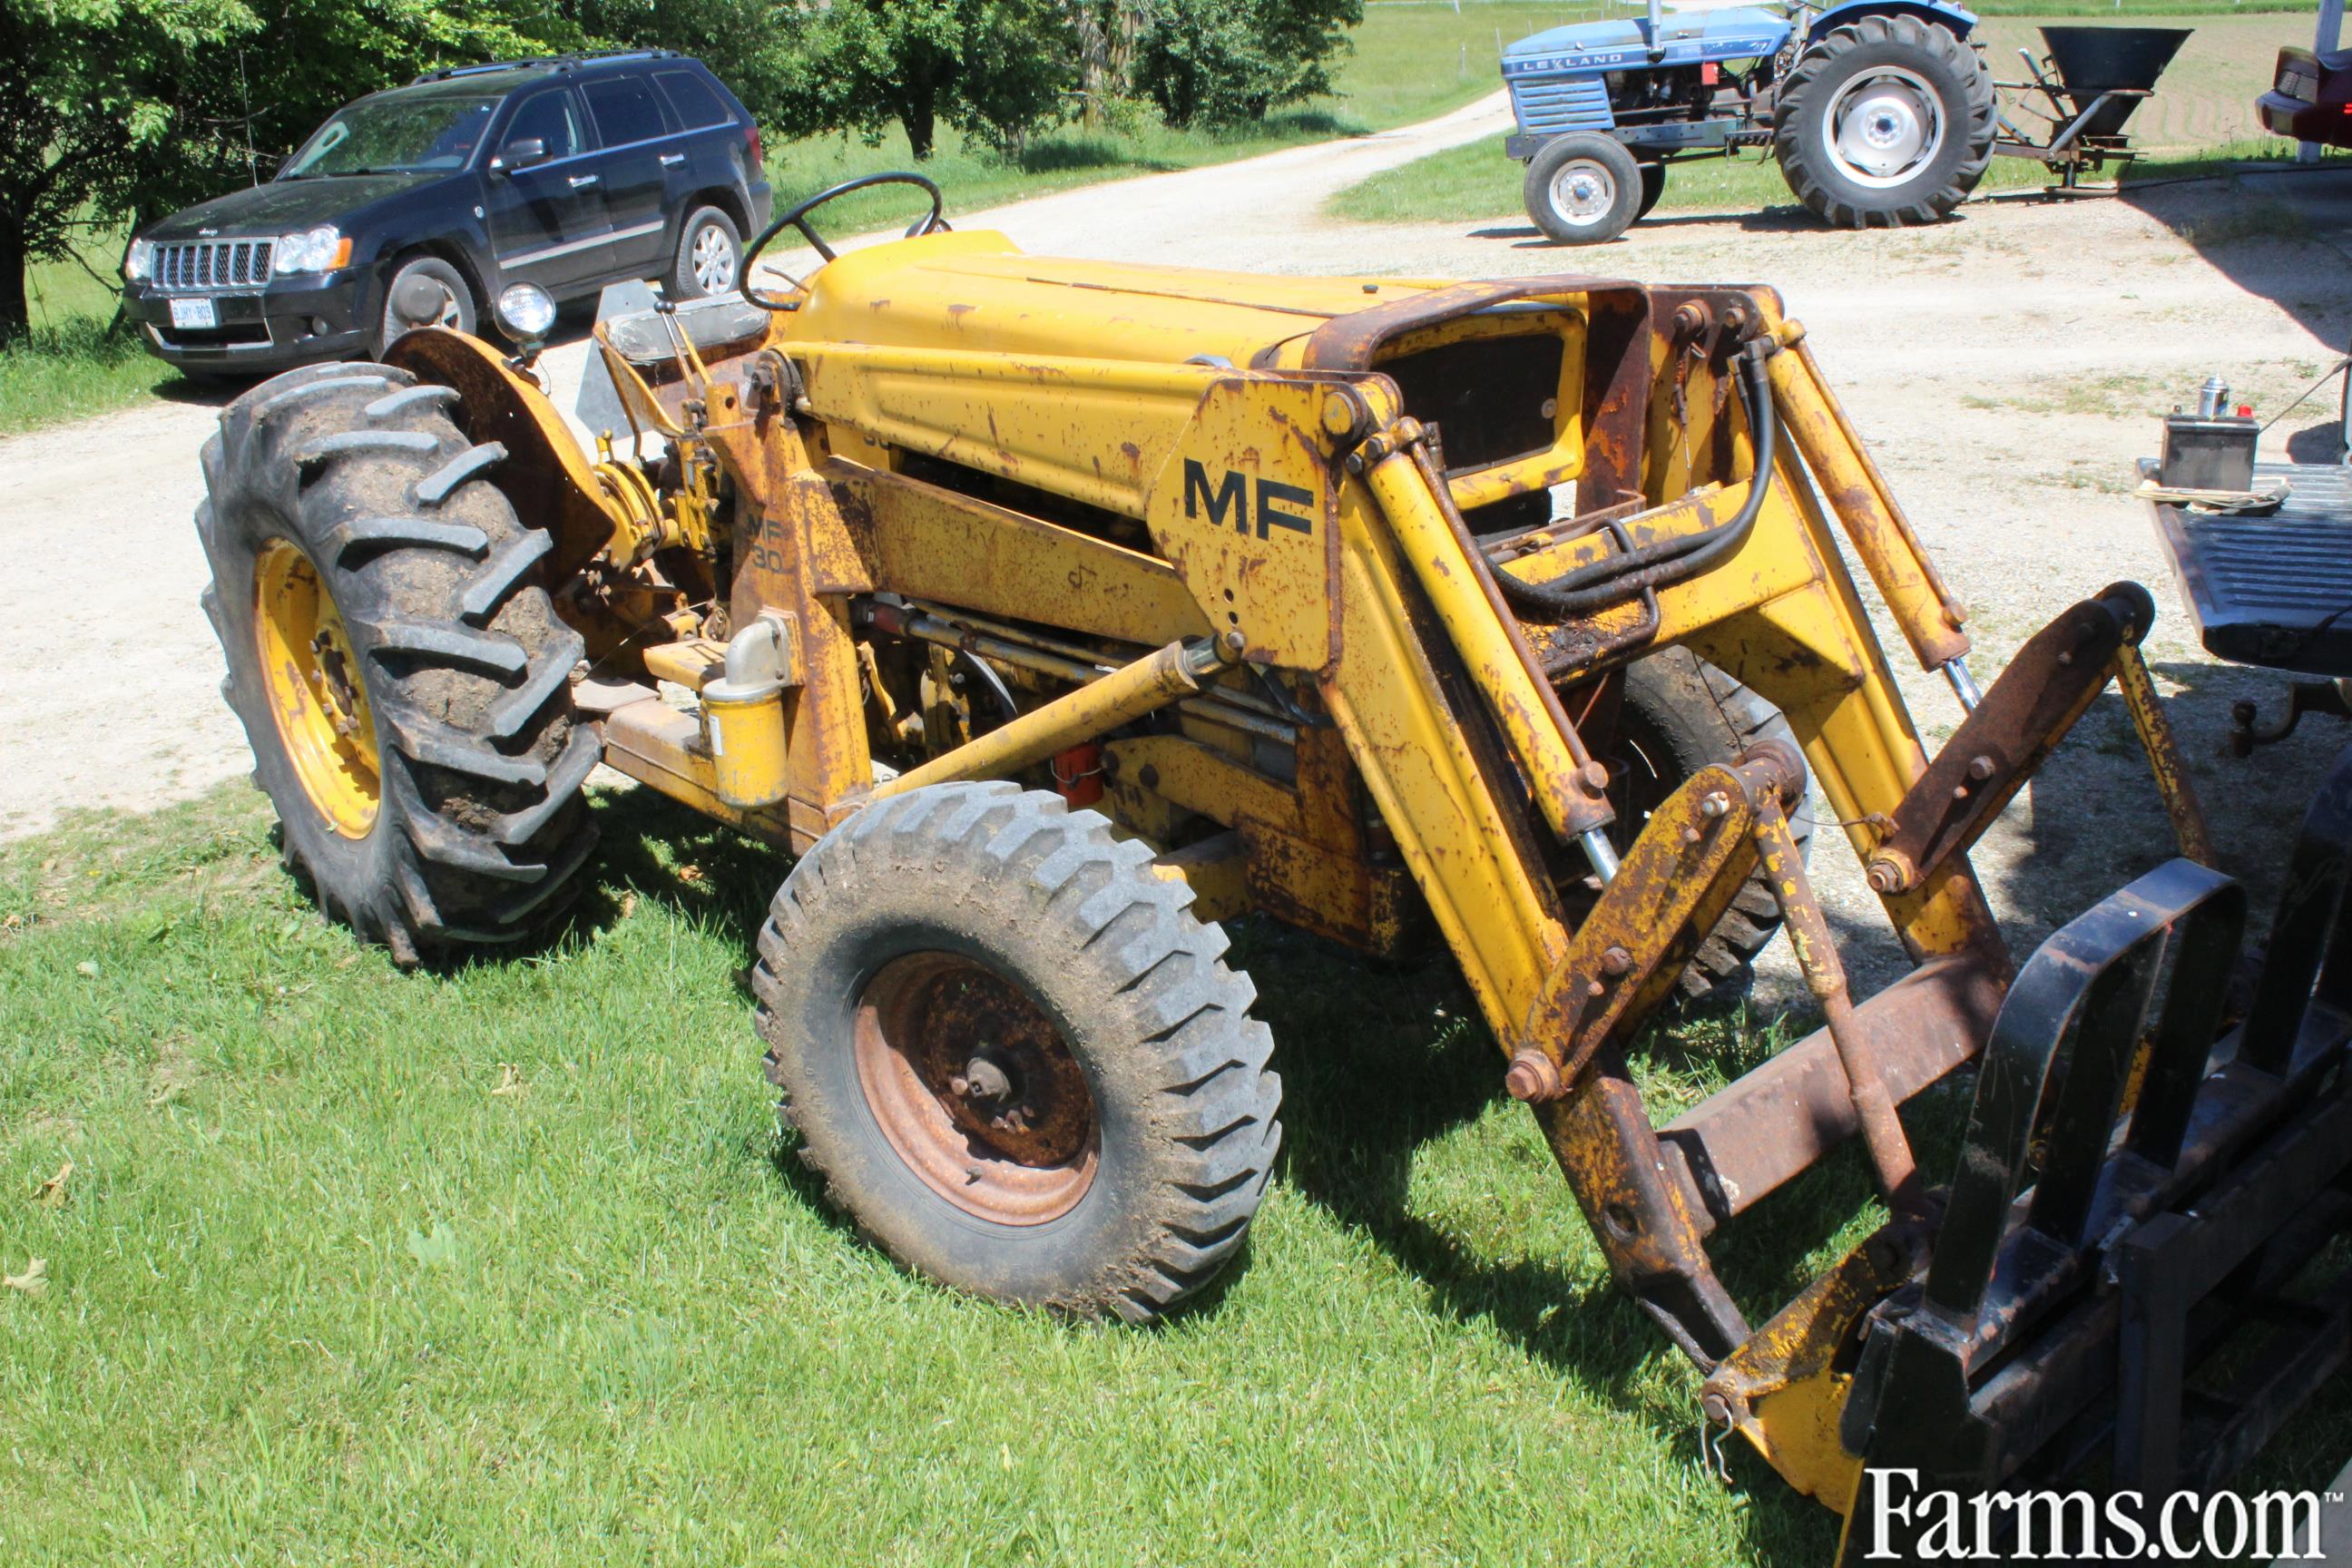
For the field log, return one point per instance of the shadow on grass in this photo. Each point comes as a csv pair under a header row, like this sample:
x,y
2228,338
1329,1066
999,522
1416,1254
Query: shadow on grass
x,y
1067,154
654,848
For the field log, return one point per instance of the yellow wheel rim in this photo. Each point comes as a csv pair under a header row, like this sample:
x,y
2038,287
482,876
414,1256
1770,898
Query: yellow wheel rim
x,y
316,692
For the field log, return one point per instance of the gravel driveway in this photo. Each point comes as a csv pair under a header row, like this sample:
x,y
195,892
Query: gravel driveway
x,y
2005,368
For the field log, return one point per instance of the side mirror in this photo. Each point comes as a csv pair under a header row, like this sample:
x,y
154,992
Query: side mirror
x,y
522,153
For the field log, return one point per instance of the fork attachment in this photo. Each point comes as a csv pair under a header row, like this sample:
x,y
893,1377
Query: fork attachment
x,y
2132,1199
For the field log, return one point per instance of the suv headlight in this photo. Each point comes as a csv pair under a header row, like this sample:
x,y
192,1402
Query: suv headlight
x,y
139,260
320,249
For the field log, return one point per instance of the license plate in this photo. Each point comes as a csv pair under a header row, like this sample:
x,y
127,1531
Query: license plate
x,y
194,313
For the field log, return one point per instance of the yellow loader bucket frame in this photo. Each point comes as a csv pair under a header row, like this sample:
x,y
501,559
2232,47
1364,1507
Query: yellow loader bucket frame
x,y
1314,588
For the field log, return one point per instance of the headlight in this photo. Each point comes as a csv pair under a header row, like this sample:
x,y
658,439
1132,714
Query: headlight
x,y
526,310
320,249
139,260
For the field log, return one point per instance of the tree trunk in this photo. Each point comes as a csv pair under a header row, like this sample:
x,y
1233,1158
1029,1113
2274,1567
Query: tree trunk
x,y
1094,63
1129,31
920,117
16,319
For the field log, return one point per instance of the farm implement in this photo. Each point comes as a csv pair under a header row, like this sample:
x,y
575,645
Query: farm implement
x,y
1050,612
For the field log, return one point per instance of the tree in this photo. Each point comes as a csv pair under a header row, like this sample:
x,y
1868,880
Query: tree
x,y
119,111
751,43
87,86
1223,62
993,68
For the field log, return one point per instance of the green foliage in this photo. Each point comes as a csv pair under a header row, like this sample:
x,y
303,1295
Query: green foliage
x,y
1219,62
124,109
994,69
751,44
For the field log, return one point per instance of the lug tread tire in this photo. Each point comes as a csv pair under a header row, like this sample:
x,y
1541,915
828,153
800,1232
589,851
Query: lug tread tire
x,y
1696,714
1626,181
480,825
1828,61
1185,1098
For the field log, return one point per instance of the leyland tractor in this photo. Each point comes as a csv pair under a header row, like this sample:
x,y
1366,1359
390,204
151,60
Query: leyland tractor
x,y
1880,113
1046,615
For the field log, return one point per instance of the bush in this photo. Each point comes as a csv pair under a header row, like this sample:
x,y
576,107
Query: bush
x,y
1223,62
995,70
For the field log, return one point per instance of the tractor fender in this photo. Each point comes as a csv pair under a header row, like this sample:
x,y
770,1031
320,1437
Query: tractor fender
x,y
546,475
1951,18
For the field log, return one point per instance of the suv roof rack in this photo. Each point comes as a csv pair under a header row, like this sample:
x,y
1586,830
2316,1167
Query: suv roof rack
x,y
550,62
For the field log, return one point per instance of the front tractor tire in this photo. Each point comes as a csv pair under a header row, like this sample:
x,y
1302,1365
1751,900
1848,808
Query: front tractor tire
x,y
1885,122
1584,188
1678,714
401,675
1018,1062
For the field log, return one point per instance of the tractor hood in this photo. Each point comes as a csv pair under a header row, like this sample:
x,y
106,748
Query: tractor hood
x,y
1738,33
975,291
281,207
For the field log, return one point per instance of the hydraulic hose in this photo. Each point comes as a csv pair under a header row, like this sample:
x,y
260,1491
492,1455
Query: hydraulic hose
x,y
1606,582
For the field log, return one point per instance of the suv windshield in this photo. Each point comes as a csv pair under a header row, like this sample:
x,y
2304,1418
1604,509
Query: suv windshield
x,y
399,133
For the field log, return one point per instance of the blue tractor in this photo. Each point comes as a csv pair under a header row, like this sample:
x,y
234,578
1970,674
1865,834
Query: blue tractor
x,y
1880,112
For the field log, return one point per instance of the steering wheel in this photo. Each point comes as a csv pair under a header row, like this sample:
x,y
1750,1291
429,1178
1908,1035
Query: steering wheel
x,y
930,222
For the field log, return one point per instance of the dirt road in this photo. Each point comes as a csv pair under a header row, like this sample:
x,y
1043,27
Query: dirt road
x,y
2005,368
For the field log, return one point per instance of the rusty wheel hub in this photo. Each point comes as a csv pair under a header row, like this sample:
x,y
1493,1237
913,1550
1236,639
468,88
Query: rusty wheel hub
x,y
975,1088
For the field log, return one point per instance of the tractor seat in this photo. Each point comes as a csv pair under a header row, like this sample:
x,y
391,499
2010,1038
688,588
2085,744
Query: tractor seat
x,y
722,321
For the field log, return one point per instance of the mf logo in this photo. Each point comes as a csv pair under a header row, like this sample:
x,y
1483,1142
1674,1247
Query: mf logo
x,y
1231,497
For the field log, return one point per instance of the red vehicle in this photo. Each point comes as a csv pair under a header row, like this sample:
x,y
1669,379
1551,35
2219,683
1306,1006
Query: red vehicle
x,y
2310,98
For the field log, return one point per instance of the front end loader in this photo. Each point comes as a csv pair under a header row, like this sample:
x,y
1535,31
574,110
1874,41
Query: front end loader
x,y
1051,612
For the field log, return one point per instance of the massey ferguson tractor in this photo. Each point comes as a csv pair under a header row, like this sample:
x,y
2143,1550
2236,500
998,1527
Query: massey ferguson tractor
x,y
1044,614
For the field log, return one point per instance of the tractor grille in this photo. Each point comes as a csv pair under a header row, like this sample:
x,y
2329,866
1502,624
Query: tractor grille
x,y
212,264
1550,105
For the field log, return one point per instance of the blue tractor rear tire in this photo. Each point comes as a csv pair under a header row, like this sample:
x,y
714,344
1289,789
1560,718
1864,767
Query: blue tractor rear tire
x,y
1653,185
1884,122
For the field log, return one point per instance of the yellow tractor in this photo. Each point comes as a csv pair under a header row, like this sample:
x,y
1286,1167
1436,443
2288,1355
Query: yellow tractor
x,y
1051,612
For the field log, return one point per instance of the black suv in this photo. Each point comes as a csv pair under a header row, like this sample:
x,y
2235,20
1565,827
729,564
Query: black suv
x,y
570,173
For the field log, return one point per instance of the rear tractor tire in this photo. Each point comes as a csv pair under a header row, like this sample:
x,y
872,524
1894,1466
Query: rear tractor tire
x,y
1584,188
1653,185
1885,122
1019,1063
401,677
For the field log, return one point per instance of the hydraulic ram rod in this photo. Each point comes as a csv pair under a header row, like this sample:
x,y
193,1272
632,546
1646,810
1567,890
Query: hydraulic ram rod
x,y
1154,681
1569,787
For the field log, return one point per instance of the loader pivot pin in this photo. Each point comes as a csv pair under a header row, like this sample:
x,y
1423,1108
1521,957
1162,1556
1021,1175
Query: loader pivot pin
x,y
1533,1077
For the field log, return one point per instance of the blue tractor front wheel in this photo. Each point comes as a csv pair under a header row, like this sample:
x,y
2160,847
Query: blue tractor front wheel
x,y
1585,188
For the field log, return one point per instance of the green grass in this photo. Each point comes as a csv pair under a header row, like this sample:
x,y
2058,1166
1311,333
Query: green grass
x,y
319,1292
73,365
507,1265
